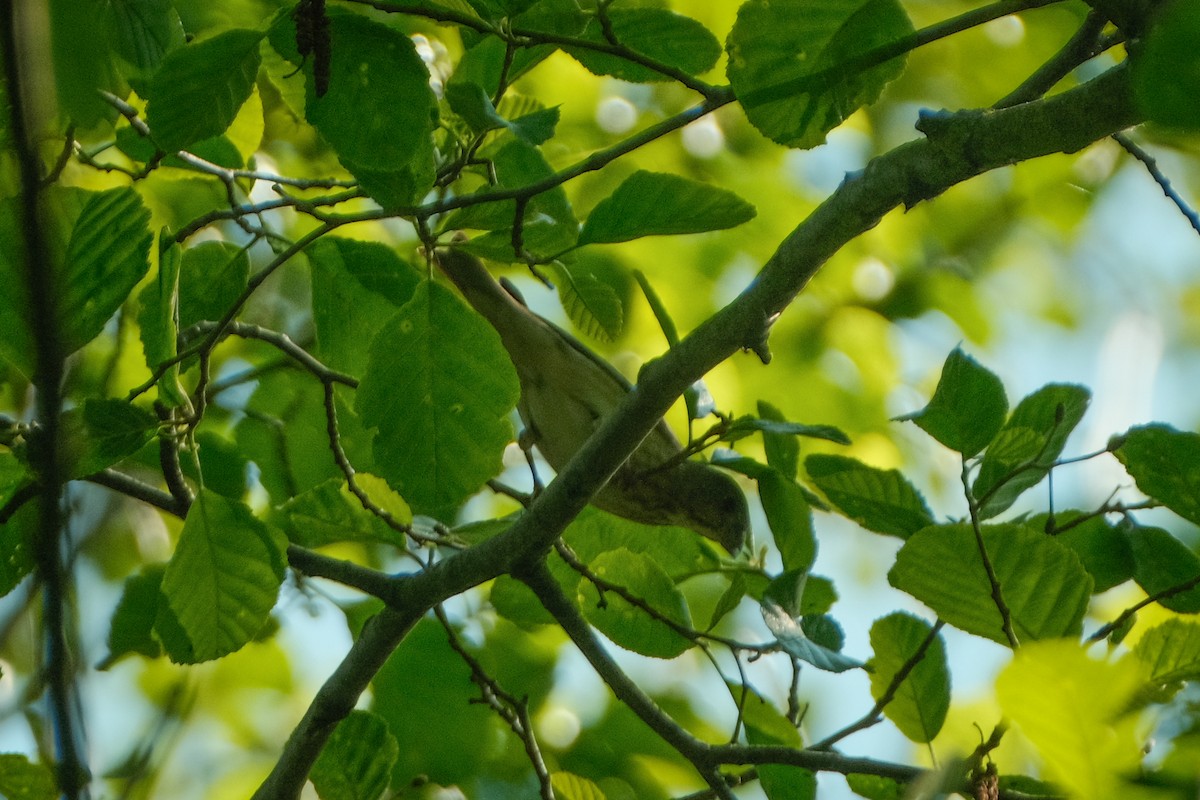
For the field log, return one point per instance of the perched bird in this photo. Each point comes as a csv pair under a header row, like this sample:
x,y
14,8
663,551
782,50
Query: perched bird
x,y
566,390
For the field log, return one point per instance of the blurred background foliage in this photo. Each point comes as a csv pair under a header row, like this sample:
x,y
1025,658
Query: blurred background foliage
x,y
1070,268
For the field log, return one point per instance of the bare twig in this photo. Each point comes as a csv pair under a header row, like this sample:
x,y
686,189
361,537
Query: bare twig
x,y
1164,183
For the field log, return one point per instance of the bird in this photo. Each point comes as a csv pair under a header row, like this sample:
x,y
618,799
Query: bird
x,y
567,389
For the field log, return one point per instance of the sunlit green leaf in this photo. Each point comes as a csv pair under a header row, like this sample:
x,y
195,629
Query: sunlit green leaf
x,y
1165,566
663,36
221,583
144,31
106,256
1033,437
211,277
1074,710
782,450
330,513
198,89
1045,588
22,779
626,624
108,430
967,407
158,320
591,303
1171,651
790,518
657,204
919,704
574,787
1166,465
1102,548
792,63
880,500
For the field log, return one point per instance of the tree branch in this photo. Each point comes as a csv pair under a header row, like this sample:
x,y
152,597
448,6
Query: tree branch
x,y
42,290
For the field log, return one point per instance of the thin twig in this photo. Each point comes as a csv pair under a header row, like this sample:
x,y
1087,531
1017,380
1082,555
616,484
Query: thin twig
x,y
1158,596
874,716
1164,183
1084,44
514,711
997,595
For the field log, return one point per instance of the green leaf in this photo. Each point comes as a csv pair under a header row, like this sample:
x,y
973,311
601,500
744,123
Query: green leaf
x,y
549,221
790,518
16,545
198,89
658,204
780,428
284,432
1162,562
627,625
105,258
665,37
330,513
439,387
379,108
967,408
791,636
573,787
22,779
211,278
144,31
677,551
1103,549
399,187
1171,651
1165,80
1165,463
792,63
108,431
357,761
517,603
221,583
1034,434
158,320
1074,710
440,727
82,60
222,465
880,500
1043,584
782,450
16,345
356,287
919,705
766,726
591,303
874,787
132,628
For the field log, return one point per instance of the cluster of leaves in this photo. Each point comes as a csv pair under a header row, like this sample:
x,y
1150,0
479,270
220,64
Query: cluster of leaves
x,y
396,410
